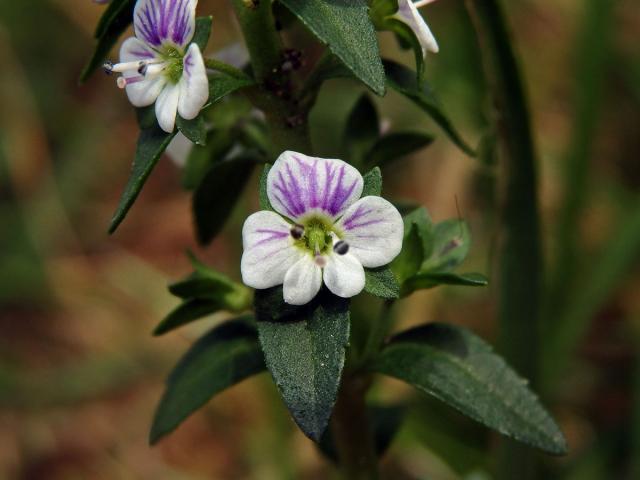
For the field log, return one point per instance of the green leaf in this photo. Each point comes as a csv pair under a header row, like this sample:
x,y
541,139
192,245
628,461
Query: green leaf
x,y
372,183
225,356
151,144
451,242
460,369
201,158
217,194
195,130
416,245
222,84
395,146
304,348
408,262
345,26
362,129
114,21
265,204
381,282
187,312
202,32
424,280
403,80
385,423
407,38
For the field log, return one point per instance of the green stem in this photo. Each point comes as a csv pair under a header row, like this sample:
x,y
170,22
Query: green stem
x,y
288,124
377,333
213,64
520,255
351,431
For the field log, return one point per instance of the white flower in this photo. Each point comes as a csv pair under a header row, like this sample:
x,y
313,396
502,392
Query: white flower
x,y
322,231
409,14
160,64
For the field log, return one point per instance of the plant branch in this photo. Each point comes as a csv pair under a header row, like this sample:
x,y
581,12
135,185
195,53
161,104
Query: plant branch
x,y
213,64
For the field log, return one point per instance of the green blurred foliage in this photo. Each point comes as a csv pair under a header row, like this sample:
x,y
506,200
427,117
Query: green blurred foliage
x,y
80,373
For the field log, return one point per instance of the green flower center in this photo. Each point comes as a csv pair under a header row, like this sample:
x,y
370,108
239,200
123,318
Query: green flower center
x,y
173,58
317,235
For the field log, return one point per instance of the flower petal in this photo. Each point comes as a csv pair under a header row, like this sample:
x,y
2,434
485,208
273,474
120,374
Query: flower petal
x,y
409,14
374,230
157,22
269,250
302,281
167,107
299,185
344,275
145,92
194,84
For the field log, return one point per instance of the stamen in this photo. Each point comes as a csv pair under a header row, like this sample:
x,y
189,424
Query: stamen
x,y
108,67
422,3
124,81
341,247
297,232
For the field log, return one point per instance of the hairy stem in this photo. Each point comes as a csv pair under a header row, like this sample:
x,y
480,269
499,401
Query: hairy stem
x,y
274,95
352,433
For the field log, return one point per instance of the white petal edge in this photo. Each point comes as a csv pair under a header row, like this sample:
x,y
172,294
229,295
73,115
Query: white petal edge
x,y
299,185
408,13
302,281
149,27
144,93
374,230
269,250
167,107
194,84
344,275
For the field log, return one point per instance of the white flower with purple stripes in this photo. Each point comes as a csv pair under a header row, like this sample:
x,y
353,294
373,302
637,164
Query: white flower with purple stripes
x,y
409,14
322,230
160,64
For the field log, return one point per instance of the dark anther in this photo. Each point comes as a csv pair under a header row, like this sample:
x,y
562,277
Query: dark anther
x,y
108,67
142,68
341,247
297,231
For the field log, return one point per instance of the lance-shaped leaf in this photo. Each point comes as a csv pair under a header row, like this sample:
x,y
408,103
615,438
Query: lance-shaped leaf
x,y
304,348
424,280
403,80
152,142
218,193
395,146
362,130
346,28
462,370
416,246
451,243
114,21
223,357
372,183
381,282
204,292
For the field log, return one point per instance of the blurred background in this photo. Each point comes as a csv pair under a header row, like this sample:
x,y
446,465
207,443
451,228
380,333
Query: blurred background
x,y
80,373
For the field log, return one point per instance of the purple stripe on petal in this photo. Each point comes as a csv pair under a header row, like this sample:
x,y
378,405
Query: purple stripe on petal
x,y
299,185
165,21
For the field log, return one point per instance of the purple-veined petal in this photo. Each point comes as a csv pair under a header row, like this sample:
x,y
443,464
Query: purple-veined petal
x,y
269,250
302,281
344,275
167,107
409,14
146,91
299,185
194,84
158,22
374,230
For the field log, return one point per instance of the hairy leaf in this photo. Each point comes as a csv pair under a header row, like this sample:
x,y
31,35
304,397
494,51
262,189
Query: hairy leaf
x,y
460,369
223,357
304,348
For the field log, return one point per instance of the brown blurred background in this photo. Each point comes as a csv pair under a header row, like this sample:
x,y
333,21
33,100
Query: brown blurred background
x,y
80,374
